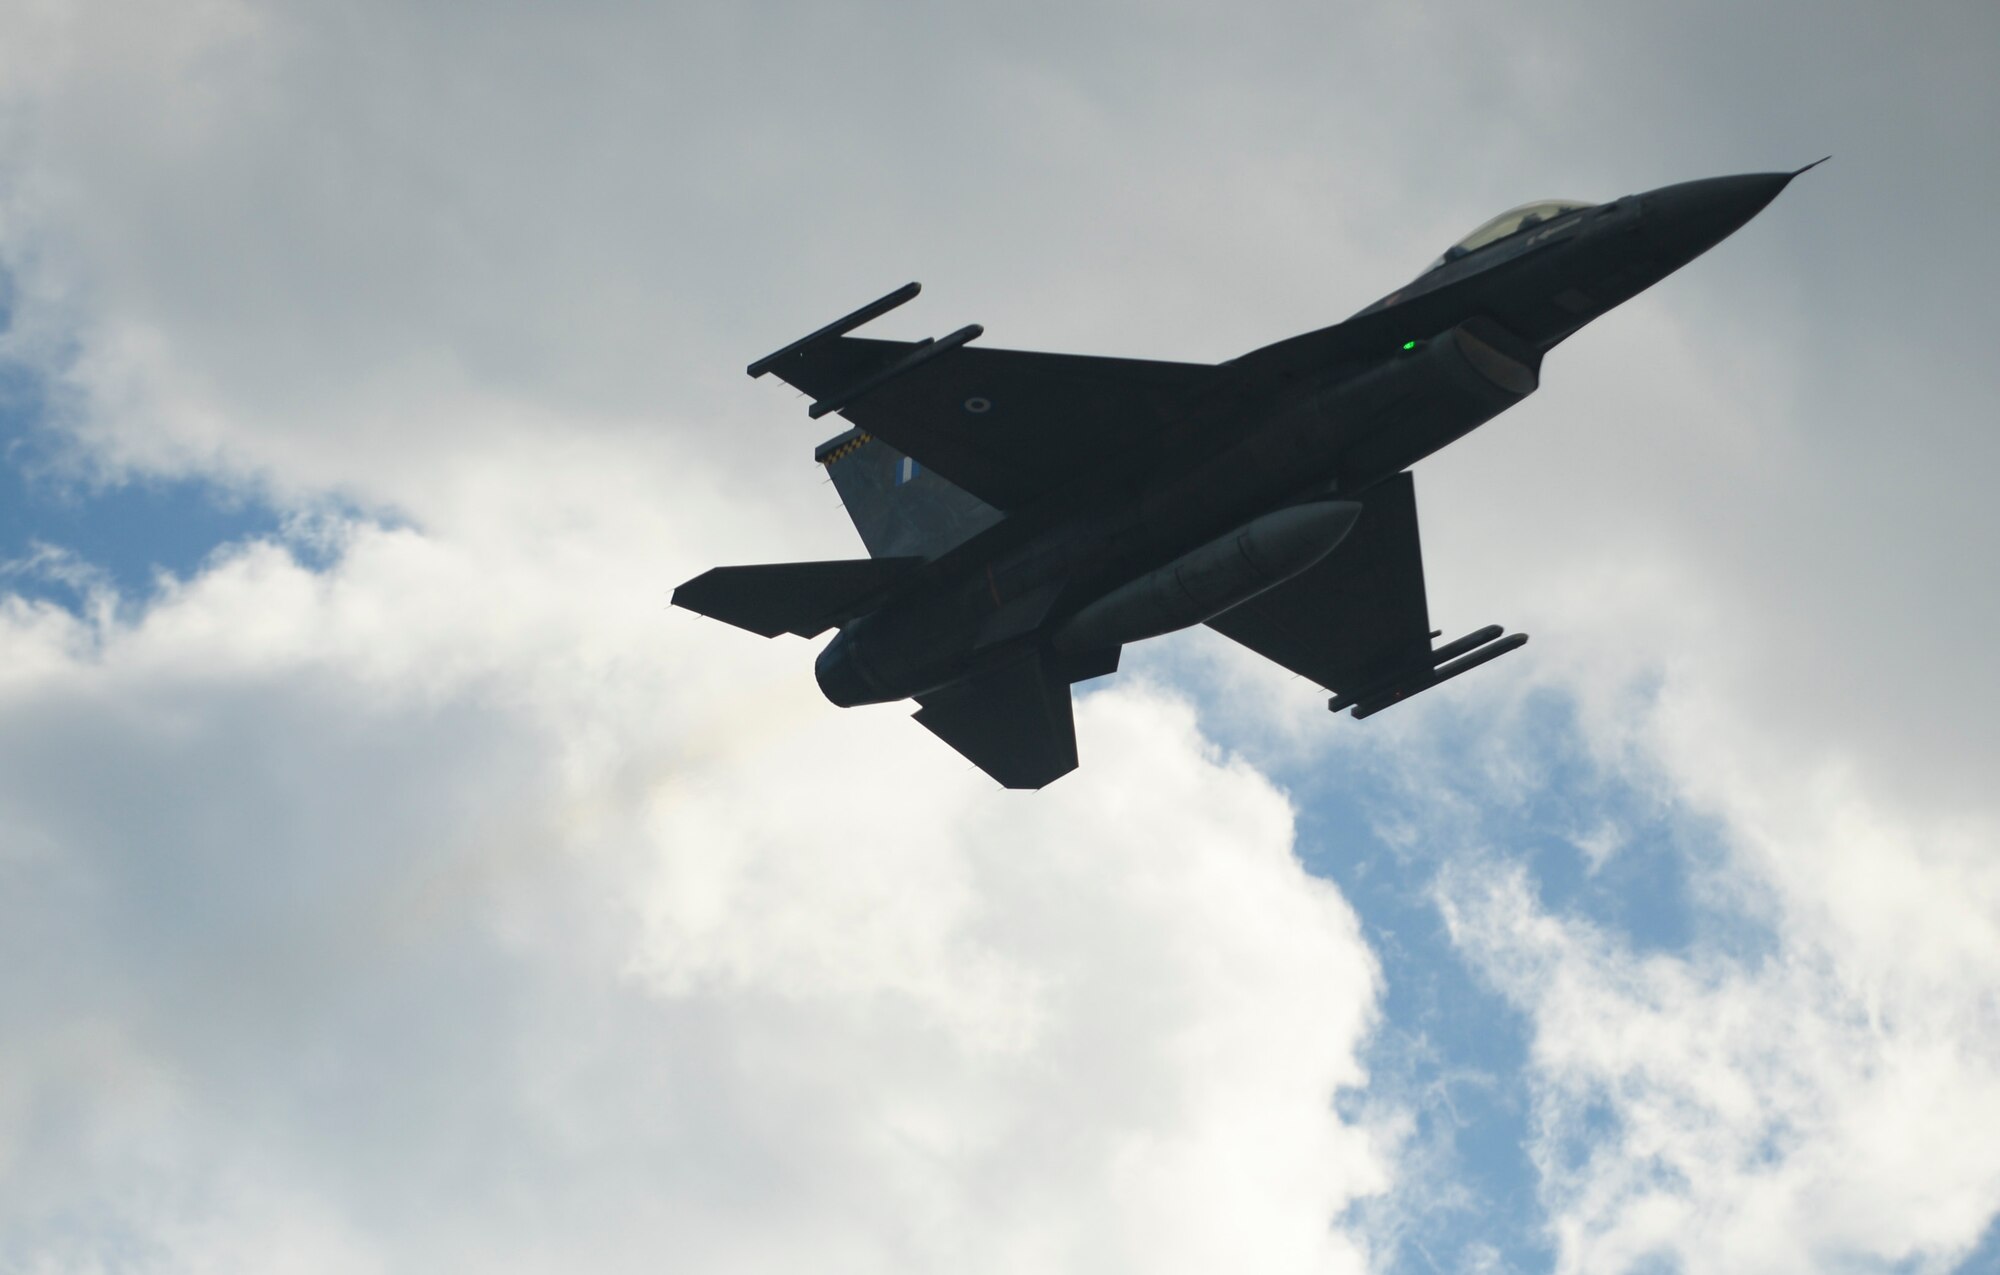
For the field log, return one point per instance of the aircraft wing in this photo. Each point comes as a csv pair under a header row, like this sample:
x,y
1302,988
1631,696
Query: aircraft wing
x,y
1358,617
1008,426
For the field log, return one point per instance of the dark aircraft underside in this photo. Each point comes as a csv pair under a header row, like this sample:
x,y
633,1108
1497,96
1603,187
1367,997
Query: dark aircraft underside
x,y
1027,515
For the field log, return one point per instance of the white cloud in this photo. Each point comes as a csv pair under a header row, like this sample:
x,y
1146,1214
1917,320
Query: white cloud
x,y
1824,1104
459,898
460,902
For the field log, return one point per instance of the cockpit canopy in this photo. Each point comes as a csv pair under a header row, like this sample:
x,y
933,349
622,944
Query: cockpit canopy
x,y
1511,222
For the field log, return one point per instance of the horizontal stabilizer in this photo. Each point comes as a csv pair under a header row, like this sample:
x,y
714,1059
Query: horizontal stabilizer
x,y
1081,666
1013,722
806,598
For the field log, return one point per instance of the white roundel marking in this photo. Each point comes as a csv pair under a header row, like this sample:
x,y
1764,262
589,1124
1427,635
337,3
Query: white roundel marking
x,y
977,405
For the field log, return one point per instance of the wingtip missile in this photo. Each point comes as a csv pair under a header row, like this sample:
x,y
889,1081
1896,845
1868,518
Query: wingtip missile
x,y
1471,641
916,358
1448,661
839,327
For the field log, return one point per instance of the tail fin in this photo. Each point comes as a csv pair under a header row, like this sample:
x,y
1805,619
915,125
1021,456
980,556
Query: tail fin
x,y
806,598
1013,722
899,507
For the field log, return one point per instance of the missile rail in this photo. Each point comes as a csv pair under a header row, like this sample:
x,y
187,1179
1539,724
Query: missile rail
x,y
1446,662
923,352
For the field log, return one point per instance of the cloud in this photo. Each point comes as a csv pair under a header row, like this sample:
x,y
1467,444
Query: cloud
x,y
457,902
1761,1115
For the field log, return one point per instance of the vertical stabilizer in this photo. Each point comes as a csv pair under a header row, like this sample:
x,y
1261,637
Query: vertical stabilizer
x,y
901,509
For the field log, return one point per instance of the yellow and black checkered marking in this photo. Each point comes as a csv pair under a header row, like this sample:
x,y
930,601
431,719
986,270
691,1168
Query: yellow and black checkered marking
x,y
846,449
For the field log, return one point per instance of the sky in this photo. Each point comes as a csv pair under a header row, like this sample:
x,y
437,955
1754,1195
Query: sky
x,y
390,881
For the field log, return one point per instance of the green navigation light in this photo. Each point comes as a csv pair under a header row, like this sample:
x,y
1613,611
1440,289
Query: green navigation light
x,y
1409,345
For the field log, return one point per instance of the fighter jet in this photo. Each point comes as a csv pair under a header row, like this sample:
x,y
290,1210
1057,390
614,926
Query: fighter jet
x,y
1027,515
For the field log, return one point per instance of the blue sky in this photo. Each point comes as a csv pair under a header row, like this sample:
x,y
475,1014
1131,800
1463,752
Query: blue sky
x,y
129,530
1452,1042
433,859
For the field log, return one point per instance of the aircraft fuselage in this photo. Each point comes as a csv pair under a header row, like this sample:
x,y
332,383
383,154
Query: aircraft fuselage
x,y
1476,332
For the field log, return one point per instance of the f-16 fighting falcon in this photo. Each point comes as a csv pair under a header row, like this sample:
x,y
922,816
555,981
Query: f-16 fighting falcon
x,y
1027,515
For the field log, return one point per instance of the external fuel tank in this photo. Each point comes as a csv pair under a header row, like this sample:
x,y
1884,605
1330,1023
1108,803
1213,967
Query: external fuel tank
x,y
1208,581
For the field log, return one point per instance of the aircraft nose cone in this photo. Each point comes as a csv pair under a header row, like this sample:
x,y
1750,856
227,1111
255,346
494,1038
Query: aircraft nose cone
x,y
1688,219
